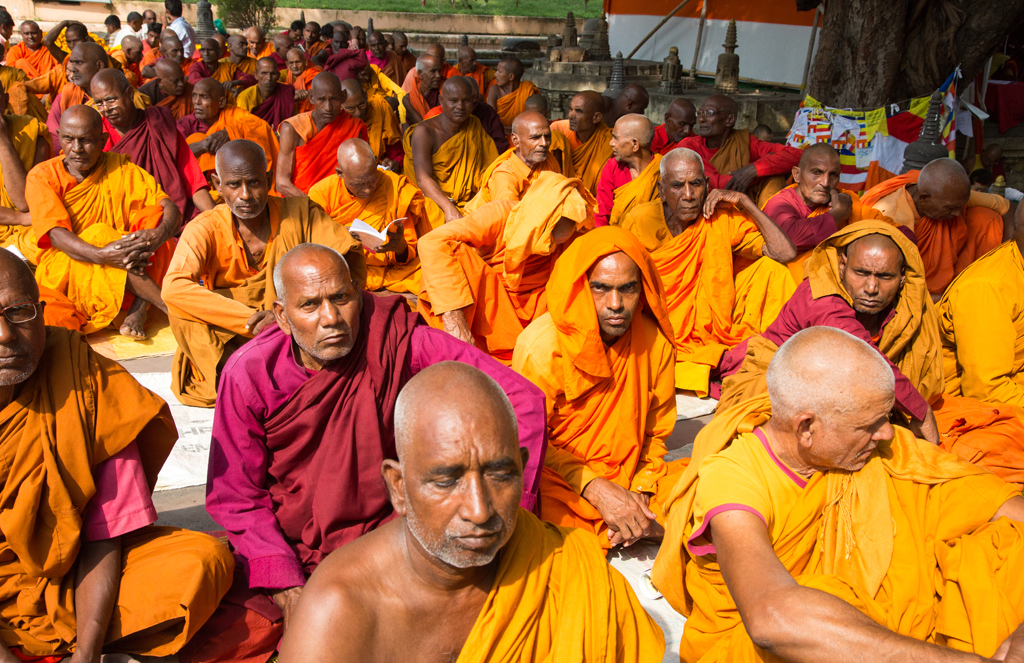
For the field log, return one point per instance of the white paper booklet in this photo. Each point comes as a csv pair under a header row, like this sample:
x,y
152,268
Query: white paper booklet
x,y
371,238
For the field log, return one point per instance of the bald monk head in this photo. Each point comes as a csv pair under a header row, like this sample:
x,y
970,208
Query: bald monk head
x,y
762,132
209,53
831,394
22,330
355,103
132,47
296,62
267,76
632,99
85,60
428,68
401,42
466,60
256,39
378,45
817,174
114,98
76,34
943,188
679,120
437,50
171,47
615,283
340,37
318,304
357,168
458,98
326,95
539,104
631,139
471,433
82,138
241,178
585,111
31,35
238,48
683,188
872,273
172,78
991,155
282,44
716,117
208,100
509,73
531,138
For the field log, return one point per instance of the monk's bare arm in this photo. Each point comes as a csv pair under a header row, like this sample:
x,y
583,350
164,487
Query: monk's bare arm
x,y
327,625
423,145
286,162
1012,508
411,116
777,245
492,96
14,170
798,623
50,40
203,200
96,587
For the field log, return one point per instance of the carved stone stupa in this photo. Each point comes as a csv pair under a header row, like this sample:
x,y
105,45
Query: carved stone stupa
x,y
569,51
727,75
595,39
928,147
671,73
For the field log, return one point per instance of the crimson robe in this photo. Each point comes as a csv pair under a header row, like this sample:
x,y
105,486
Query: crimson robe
x,y
277,107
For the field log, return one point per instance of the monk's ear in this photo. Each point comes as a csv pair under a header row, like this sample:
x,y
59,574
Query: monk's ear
x,y
804,424
214,180
796,174
282,320
394,480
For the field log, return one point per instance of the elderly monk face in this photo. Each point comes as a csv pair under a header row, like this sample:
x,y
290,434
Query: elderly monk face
x,y
282,44
531,138
266,76
311,34
624,145
467,60
83,63
113,101
256,39
22,330
584,113
459,476
357,168
430,76
172,49
237,46
457,101
82,138
817,176
132,48
31,35
243,183
359,36
942,195
326,97
715,117
208,100
684,190
378,45
872,272
172,78
209,53
340,38
679,120
296,62
320,306
355,103
615,285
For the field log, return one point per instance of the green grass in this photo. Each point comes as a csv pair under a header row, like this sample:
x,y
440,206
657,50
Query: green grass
x,y
581,9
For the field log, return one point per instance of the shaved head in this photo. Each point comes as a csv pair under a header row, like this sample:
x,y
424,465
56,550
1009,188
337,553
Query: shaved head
x,y
131,45
17,278
724,102
238,153
537,102
514,66
324,82
635,127
437,50
357,167
466,52
112,81
943,188
818,150
592,101
457,84
353,88
300,259
90,50
84,117
525,120
282,42
209,86
165,68
531,138
22,344
877,242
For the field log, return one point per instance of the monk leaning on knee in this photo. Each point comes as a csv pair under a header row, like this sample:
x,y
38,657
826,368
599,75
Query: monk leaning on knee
x,y
808,528
510,587
632,175
85,572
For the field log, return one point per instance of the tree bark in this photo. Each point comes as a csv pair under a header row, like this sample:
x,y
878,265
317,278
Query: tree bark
x,y
876,52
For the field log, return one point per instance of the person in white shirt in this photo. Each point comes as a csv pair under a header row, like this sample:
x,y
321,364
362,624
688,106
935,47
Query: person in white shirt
x,y
172,16
115,33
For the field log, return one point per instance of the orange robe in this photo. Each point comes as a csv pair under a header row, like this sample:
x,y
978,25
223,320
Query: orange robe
x,y
587,158
317,157
514,103
394,197
25,133
20,101
117,198
484,77
641,189
34,63
609,409
265,52
381,126
509,178
180,105
494,263
240,124
947,246
302,83
411,86
211,290
719,289
131,70
459,163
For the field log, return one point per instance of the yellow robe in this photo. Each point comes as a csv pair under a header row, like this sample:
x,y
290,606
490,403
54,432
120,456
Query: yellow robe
x,y
381,126
459,163
918,556
587,158
25,132
508,178
642,189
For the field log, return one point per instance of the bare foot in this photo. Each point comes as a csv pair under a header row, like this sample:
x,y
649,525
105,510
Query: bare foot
x,y
134,324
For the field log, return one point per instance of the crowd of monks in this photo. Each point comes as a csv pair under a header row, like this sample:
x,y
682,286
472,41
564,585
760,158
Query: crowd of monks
x,y
443,338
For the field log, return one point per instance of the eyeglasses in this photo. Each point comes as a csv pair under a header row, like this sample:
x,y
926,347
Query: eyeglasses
x,y
708,113
22,312
109,102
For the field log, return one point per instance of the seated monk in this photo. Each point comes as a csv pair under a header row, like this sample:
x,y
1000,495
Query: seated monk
x,y
447,155
722,261
301,72
223,71
868,280
30,54
170,89
589,138
981,320
379,56
488,116
510,175
633,100
774,551
632,175
282,44
379,198
311,41
50,83
422,87
103,225
811,210
170,50
24,143
214,122
953,226
85,569
150,137
270,100
339,41
20,101
401,46
217,287
85,60
484,276
468,66
129,56
510,587
604,358
735,160
559,142
679,120
238,59
509,93
385,136
324,385
256,39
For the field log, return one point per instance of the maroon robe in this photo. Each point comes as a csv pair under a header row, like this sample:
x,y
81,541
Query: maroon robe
x,y
277,107
347,63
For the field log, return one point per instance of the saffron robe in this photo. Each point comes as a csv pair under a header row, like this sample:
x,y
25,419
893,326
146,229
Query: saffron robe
x,y
239,124
513,103
509,178
495,262
920,557
117,198
459,163
394,197
76,411
179,105
641,189
25,132
385,136
609,409
719,289
272,110
302,83
587,158
21,100
317,157
947,246
421,103
773,162
482,74
131,70
34,63
211,291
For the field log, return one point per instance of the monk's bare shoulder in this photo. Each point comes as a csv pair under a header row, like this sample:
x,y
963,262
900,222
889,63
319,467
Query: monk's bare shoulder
x,y
426,132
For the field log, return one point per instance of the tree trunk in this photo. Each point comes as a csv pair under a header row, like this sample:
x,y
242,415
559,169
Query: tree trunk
x,y
876,52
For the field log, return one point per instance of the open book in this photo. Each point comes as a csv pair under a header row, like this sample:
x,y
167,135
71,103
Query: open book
x,y
372,238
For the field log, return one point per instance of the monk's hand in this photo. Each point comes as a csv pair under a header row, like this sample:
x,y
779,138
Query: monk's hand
x,y
300,95
742,178
927,429
719,196
390,165
396,243
1012,649
287,599
259,321
455,323
841,206
624,512
451,212
215,141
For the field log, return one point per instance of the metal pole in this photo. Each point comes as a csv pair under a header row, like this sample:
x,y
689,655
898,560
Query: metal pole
x,y
819,10
700,37
658,27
